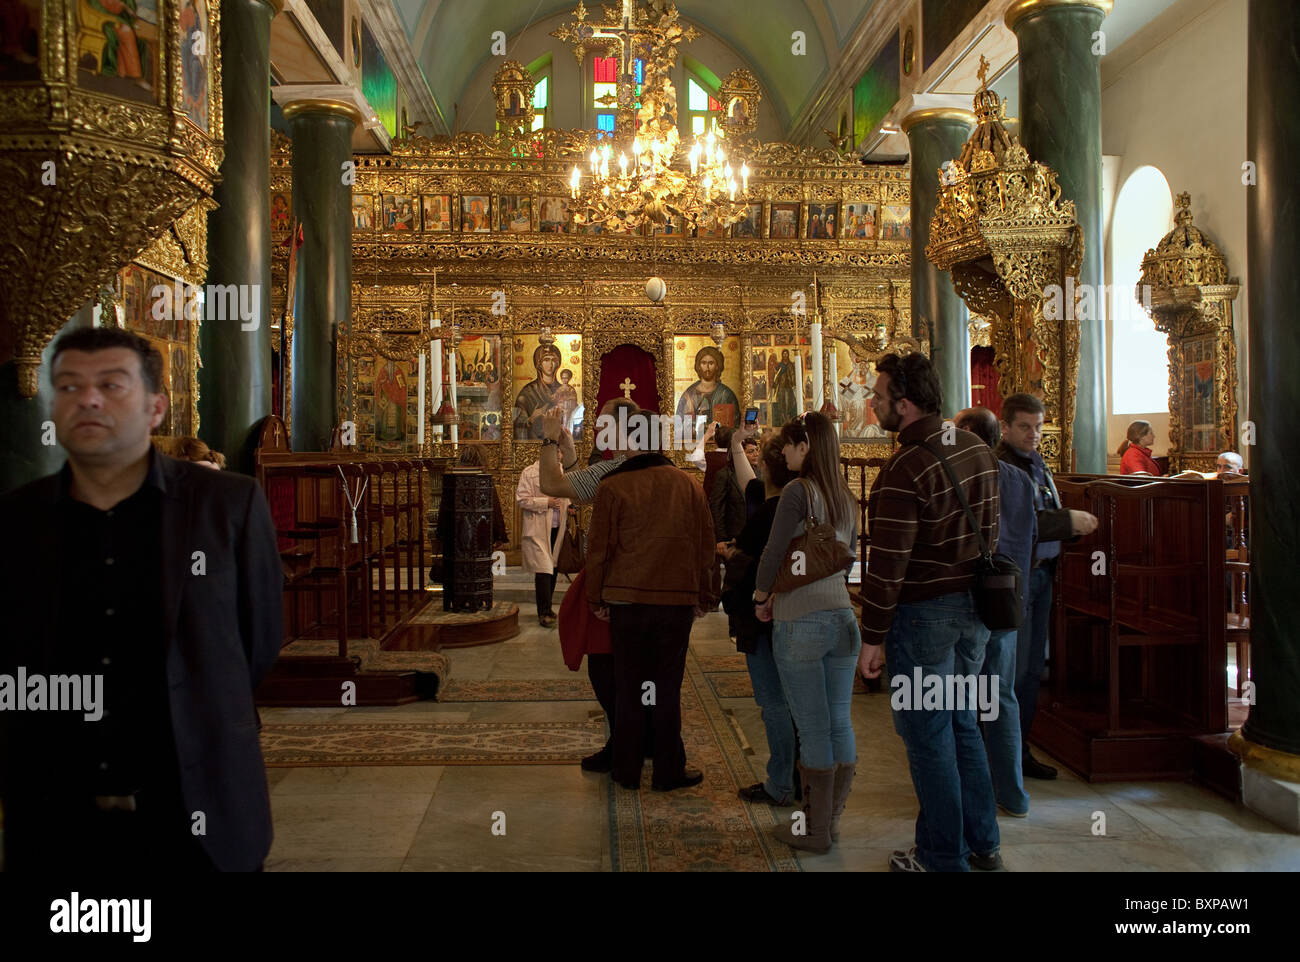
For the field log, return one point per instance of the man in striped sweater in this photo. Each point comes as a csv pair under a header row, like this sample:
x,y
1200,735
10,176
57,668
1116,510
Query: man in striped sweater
x,y
918,605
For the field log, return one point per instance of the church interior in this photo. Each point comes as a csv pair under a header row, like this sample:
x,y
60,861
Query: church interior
x,y
375,241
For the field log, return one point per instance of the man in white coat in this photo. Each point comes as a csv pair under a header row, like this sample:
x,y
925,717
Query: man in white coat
x,y
543,523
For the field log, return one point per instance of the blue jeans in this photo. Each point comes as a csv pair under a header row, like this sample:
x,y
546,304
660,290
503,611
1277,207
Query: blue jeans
x,y
950,772
1002,734
816,656
1031,650
776,719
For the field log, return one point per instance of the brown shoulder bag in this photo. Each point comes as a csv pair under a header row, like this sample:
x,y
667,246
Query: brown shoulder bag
x,y
813,555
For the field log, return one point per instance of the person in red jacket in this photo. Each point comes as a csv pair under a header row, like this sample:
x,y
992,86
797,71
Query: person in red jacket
x,y
1135,452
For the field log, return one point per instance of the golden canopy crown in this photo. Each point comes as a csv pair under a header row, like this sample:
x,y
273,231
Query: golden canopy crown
x,y
1185,255
1010,242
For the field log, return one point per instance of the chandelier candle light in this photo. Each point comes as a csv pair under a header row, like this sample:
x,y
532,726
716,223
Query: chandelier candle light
x,y
652,185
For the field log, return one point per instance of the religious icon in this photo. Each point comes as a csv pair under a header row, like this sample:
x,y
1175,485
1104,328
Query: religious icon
x,y
399,212
363,211
437,212
822,219
708,396
538,395
781,376
194,71
279,212
118,46
859,221
751,225
180,393
20,26
857,379
514,213
739,112
896,224
390,400
566,398
554,215
474,210
785,222
478,380
709,230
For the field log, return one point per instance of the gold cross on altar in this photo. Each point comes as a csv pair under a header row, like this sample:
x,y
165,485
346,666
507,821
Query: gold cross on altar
x,y
627,387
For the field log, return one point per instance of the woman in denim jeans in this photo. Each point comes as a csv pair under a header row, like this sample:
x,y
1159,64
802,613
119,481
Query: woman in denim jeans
x,y
815,638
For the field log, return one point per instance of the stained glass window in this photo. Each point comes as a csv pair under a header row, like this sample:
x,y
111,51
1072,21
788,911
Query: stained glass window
x,y
604,73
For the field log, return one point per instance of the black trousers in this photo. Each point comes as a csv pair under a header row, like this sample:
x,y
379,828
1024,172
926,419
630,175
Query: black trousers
x,y
544,587
649,644
600,670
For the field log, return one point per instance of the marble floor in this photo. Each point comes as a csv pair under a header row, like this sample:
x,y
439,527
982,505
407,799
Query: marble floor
x,y
556,817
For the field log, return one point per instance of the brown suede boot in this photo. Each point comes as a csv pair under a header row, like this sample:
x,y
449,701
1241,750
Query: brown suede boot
x,y
818,787
840,795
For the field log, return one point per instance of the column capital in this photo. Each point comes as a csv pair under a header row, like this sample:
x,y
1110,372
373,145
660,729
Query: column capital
x,y
1023,8
927,108
338,99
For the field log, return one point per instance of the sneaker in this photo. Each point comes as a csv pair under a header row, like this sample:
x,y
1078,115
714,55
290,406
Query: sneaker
x,y
987,863
905,861
758,794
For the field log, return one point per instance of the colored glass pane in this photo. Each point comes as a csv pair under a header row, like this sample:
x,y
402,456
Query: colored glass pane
x,y
605,122
606,70
714,105
539,120
697,124
600,90
540,92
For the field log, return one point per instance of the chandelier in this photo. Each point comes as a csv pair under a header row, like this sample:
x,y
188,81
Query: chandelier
x,y
642,174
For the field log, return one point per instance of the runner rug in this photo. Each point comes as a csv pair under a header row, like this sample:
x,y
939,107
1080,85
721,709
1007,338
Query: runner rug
x,y
707,827
549,689
436,743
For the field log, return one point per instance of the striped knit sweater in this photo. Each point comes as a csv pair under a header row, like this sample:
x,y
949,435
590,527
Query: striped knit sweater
x,y
922,546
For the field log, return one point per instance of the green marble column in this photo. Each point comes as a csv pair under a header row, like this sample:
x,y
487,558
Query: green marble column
x,y
1273,289
936,135
322,145
1060,125
23,457
235,379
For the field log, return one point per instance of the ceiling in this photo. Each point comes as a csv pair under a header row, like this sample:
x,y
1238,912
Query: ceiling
x,y
452,38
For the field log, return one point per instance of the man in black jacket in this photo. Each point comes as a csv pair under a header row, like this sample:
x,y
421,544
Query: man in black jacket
x,y
148,593
1022,429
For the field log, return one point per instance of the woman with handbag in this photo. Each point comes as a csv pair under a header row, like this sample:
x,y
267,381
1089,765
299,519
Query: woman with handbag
x,y
540,543
801,588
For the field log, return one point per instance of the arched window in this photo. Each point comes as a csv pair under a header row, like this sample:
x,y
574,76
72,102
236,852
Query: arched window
x,y
1139,353
541,102
702,108
604,86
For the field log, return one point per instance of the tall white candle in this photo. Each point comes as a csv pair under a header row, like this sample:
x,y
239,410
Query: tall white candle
x,y
815,336
435,381
455,427
798,375
419,403
835,379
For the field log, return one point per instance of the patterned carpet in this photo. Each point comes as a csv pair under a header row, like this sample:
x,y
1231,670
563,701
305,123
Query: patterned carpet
x,y
439,743
433,614
706,828
553,689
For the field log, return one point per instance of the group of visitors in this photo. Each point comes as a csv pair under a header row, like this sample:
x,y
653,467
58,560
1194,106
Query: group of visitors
x,y
952,491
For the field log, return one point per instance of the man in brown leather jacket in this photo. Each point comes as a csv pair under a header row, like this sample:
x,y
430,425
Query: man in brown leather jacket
x,y
649,554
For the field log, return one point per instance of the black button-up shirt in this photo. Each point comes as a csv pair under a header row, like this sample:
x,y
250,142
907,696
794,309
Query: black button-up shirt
x,y
110,623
